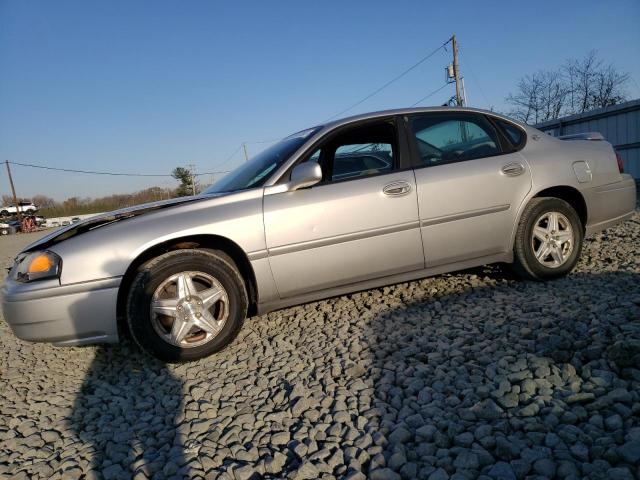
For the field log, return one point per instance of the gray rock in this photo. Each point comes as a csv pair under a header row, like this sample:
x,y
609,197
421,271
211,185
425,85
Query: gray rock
x,y
384,474
625,353
545,466
113,472
487,410
280,438
502,471
397,460
583,397
299,406
613,422
400,435
244,473
306,471
620,473
630,452
466,460
427,432
439,474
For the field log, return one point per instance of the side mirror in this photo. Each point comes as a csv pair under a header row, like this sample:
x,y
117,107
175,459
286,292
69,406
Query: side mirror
x,y
304,175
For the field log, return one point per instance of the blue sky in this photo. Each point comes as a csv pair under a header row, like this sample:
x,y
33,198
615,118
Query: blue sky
x,y
146,86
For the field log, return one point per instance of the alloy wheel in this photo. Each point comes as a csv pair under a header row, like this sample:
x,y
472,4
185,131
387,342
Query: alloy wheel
x,y
189,309
552,239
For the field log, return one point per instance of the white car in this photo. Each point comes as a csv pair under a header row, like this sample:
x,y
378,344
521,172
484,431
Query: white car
x,y
6,229
25,207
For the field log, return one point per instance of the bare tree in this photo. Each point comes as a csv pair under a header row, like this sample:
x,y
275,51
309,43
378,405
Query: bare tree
x,y
609,87
553,95
578,86
526,100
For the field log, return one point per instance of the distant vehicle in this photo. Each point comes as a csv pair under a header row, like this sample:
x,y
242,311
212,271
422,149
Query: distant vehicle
x,y
40,220
54,224
7,228
75,219
26,207
459,188
65,223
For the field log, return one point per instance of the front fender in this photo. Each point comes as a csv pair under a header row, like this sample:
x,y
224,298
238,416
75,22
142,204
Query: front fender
x,y
107,251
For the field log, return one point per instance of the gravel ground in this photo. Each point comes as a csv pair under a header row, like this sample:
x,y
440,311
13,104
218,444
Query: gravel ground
x,y
470,375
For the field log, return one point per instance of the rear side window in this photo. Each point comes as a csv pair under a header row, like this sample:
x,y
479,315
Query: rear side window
x,y
513,133
454,137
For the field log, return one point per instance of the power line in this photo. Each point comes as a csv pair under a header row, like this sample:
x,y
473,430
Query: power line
x,y
231,156
429,95
475,80
114,174
396,78
92,172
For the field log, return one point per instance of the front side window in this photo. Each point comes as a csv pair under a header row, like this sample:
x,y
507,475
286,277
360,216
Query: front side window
x,y
358,152
451,138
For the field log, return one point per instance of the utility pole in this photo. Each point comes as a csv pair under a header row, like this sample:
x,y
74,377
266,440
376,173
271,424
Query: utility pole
x,y
13,191
244,147
192,168
456,72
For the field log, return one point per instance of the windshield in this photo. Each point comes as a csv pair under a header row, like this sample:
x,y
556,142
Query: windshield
x,y
257,170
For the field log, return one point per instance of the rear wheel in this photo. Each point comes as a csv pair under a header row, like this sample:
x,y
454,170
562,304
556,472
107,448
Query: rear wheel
x,y
548,240
186,304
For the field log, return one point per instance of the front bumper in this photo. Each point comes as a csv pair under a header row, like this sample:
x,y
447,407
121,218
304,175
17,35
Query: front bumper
x,y
76,314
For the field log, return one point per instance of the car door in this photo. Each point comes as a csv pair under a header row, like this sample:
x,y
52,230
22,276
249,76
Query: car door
x,y
360,222
470,183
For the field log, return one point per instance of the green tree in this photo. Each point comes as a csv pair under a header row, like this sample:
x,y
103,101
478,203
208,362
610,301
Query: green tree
x,y
185,178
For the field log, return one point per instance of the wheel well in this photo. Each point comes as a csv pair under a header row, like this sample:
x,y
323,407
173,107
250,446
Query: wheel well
x,y
570,195
212,242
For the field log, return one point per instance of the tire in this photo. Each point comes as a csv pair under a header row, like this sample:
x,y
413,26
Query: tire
x,y
4,231
564,245
209,270
4,213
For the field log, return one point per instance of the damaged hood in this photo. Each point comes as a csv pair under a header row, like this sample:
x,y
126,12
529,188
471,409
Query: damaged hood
x,y
108,218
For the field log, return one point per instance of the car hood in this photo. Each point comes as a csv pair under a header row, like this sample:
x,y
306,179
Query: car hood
x,y
109,218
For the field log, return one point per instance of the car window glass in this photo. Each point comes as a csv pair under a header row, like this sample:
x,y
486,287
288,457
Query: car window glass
x,y
452,138
357,160
515,134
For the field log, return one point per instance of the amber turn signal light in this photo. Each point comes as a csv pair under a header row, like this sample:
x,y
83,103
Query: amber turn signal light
x,y
41,263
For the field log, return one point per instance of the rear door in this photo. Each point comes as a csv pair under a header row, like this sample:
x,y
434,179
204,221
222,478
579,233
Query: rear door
x,y
360,222
470,183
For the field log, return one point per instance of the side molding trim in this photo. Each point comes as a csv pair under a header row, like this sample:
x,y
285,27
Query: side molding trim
x,y
463,215
348,237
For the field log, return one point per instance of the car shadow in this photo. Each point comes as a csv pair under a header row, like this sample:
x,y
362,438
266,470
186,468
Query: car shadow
x,y
491,379
443,373
127,412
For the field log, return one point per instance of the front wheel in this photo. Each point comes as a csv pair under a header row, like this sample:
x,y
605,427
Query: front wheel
x,y
186,304
548,240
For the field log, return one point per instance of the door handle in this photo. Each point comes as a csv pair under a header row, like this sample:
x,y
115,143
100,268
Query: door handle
x,y
396,189
512,169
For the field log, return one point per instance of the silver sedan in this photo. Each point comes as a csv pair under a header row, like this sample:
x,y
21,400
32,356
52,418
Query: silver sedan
x,y
358,203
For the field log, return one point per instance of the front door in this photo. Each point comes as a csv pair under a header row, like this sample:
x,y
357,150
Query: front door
x,y
360,222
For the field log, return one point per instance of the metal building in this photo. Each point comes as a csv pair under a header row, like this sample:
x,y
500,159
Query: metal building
x,y
620,125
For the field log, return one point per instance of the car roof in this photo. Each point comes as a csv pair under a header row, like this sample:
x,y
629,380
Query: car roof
x,y
413,110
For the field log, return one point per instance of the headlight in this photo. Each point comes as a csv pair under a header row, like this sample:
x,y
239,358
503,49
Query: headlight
x,y
38,266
